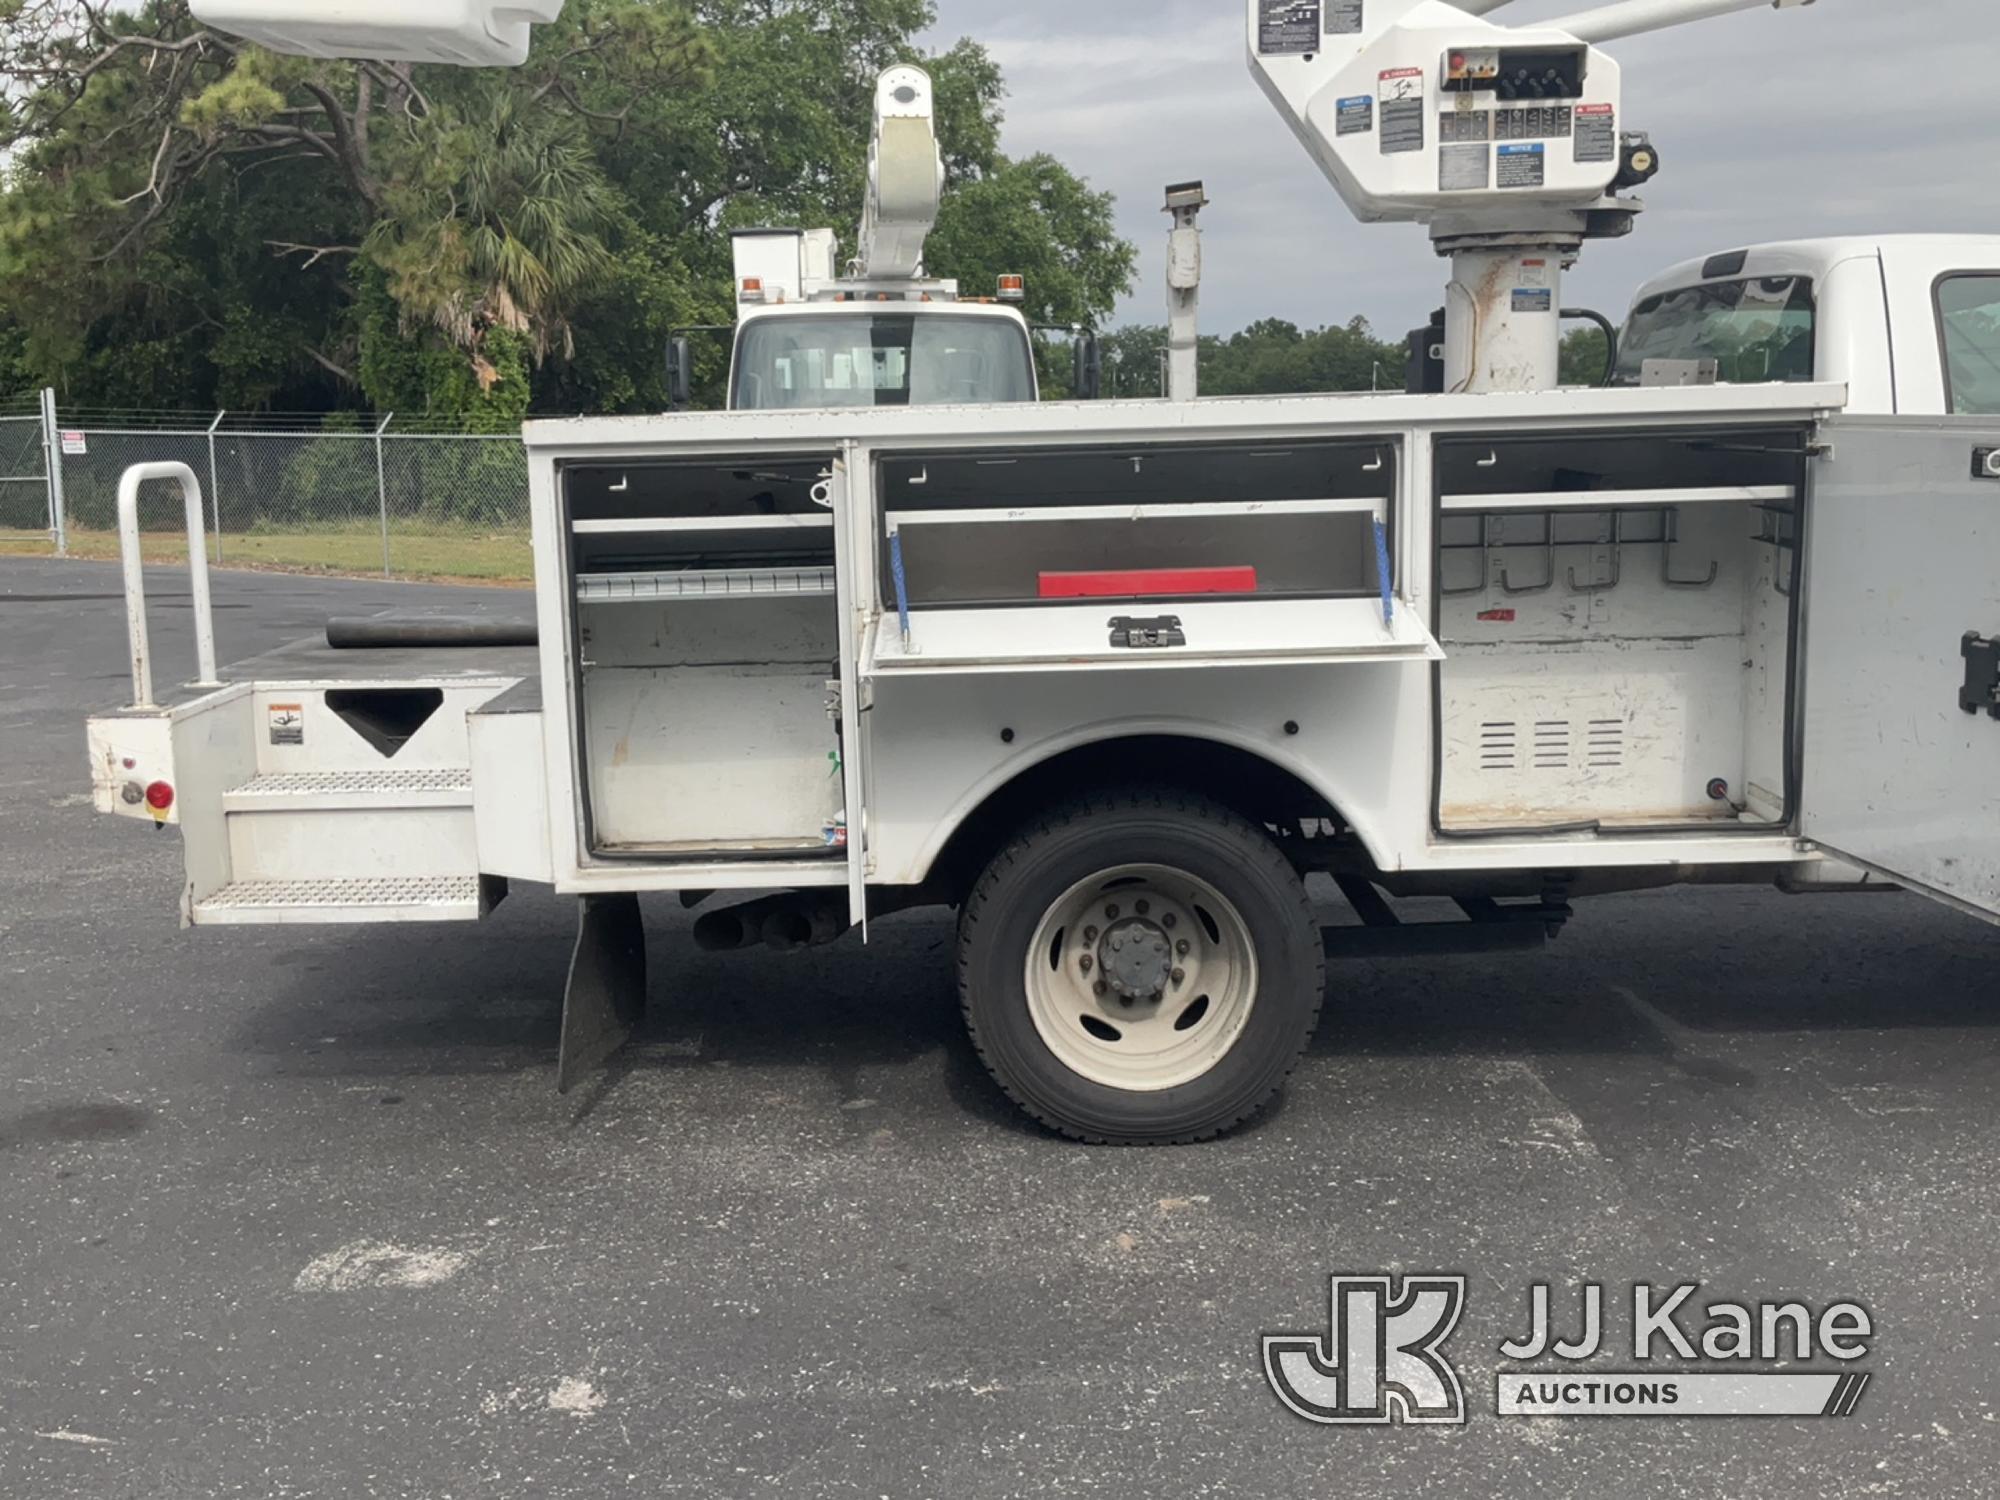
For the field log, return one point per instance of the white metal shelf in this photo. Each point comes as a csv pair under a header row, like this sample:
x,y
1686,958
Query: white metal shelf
x,y
651,525
1738,494
710,583
1148,512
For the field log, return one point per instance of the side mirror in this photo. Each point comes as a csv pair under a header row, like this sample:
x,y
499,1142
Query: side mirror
x,y
1088,354
680,375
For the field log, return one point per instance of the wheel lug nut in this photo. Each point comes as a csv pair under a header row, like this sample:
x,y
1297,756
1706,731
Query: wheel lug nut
x,y
1111,913
1099,988
1179,975
1086,963
1169,920
1182,947
1142,907
1090,934
1125,1001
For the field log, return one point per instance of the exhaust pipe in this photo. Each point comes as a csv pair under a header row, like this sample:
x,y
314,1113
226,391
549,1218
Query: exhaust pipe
x,y
809,922
784,923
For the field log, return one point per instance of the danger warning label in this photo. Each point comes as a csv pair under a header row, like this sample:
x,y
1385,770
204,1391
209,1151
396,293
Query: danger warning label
x,y
1402,94
1285,26
1596,132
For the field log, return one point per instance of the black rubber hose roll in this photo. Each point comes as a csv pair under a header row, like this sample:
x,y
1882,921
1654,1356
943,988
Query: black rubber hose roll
x,y
389,634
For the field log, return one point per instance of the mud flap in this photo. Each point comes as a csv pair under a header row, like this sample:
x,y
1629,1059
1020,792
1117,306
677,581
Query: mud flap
x,y
607,986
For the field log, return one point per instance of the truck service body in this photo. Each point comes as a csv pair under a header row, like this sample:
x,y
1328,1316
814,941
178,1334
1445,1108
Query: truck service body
x,y
1112,679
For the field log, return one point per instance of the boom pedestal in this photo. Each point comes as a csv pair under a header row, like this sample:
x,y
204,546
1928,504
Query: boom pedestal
x,y
1502,325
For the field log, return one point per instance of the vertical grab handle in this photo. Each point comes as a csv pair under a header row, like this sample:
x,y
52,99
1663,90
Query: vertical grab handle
x,y
135,583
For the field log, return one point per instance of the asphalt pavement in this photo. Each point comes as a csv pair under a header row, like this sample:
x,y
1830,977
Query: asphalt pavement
x,y
291,1212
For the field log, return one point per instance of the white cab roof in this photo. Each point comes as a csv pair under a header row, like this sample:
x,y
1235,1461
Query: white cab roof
x,y
1925,256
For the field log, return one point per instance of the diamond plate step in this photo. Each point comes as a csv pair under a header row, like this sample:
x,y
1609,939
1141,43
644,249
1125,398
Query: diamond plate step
x,y
305,791
401,898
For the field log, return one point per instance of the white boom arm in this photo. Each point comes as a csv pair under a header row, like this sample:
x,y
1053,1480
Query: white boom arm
x,y
905,178
1631,17
471,33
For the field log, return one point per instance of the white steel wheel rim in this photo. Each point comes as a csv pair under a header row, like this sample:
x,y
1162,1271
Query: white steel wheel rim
x,y
1094,958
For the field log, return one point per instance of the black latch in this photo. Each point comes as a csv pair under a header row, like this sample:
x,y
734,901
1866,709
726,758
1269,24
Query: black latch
x,y
1150,633
1986,463
1981,693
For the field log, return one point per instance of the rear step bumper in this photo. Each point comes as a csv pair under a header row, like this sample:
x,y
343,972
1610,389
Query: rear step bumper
x,y
399,898
340,791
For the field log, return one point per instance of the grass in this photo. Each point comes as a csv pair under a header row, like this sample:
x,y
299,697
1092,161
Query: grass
x,y
440,556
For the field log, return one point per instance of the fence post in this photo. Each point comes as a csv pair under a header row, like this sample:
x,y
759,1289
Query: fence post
x,y
52,464
215,489
382,488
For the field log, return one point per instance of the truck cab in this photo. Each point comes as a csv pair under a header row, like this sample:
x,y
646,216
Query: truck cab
x,y
1909,323
808,340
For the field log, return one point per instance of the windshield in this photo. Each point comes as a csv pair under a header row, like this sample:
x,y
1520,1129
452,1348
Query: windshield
x,y
1969,314
880,359
1756,331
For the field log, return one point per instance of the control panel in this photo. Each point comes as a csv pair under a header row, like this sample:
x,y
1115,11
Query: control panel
x,y
1418,111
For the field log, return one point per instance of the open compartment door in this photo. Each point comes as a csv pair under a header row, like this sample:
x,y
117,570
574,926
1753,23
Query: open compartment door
x,y
1901,748
853,823
1123,636
1148,555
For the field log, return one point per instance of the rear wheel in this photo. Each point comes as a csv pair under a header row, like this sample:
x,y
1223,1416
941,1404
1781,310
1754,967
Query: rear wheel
x,y
1141,969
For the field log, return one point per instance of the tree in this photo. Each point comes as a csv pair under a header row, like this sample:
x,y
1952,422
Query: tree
x,y
1582,357
1269,358
188,220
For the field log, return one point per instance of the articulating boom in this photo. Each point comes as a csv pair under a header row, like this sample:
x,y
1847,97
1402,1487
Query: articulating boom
x,y
905,179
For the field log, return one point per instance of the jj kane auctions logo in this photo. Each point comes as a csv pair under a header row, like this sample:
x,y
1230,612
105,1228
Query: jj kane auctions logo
x,y
1382,1361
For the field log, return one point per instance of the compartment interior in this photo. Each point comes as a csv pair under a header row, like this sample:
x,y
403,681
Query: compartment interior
x,y
1154,521
706,631
1618,622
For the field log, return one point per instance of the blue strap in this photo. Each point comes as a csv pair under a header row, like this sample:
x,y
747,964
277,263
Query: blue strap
x,y
1385,574
902,583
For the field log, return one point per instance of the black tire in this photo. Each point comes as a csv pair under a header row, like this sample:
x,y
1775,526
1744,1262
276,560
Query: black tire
x,y
1102,833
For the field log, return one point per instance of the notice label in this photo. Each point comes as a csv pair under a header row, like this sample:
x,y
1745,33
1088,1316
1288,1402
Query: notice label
x,y
73,442
1596,132
1344,17
1463,168
288,723
1523,166
1402,94
1354,116
1528,299
1287,26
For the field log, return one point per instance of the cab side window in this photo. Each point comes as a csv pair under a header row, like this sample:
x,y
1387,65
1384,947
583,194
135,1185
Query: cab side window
x,y
1969,327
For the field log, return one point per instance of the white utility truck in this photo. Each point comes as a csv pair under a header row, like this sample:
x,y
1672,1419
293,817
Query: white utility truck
x,y
1909,323
1113,679
885,334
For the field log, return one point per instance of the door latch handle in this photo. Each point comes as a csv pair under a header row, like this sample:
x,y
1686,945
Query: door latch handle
x,y
1986,463
1981,693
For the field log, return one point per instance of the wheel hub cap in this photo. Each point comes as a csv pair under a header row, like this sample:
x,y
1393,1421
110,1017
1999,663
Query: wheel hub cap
x,y
1136,959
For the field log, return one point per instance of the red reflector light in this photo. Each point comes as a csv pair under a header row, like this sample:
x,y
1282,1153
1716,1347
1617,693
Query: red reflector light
x,y
159,796
1139,583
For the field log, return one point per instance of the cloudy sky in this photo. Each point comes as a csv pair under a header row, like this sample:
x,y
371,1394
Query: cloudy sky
x,y
1849,116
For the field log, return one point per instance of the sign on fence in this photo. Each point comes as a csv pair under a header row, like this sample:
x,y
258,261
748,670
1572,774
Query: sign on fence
x,y
75,443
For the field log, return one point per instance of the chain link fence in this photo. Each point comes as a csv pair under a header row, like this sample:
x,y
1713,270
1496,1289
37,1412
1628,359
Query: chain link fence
x,y
25,506
336,494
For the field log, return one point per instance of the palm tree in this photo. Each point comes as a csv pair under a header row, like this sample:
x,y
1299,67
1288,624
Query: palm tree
x,y
504,227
